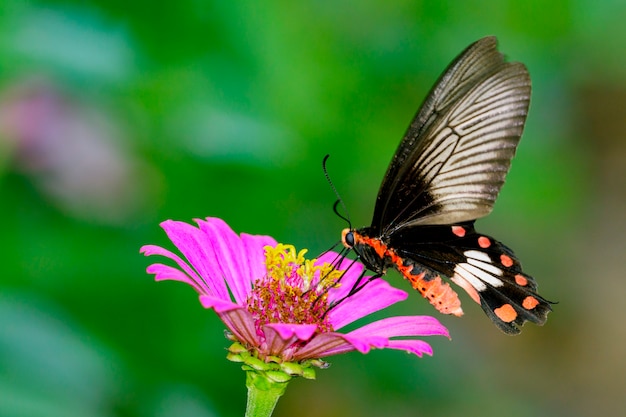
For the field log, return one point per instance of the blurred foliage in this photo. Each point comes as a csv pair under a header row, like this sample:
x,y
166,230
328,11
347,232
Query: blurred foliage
x,y
117,115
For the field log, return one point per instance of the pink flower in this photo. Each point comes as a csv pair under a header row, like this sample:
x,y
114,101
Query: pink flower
x,y
74,153
279,306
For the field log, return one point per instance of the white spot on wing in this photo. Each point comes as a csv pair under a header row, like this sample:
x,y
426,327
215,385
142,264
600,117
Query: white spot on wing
x,y
485,266
469,277
476,276
476,254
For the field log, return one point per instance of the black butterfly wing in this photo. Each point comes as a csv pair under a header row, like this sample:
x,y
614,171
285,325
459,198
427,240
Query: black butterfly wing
x,y
485,268
454,157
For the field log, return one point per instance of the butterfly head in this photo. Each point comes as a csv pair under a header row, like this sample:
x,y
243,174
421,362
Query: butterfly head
x,y
347,238
370,251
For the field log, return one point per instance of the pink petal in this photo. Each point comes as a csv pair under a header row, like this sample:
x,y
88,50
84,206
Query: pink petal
x,y
323,345
253,246
275,344
241,325
300,331
230,256
378,294
149,250
280,337
217,304
417,347
236,318
197,248
165,272
364,343
403,326
377,334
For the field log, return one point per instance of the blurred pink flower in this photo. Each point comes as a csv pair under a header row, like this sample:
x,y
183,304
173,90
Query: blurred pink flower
x,y
75,153
277,304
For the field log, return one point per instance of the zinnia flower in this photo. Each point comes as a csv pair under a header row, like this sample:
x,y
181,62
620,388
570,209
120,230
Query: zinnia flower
x,y
282,311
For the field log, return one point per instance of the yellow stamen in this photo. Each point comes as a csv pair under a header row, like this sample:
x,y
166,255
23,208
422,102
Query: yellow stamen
x,y
294,290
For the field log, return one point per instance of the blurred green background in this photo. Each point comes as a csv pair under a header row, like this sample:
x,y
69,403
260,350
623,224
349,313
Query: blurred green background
x,y
116,115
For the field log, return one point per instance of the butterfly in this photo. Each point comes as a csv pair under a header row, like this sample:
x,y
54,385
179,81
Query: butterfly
x,y
446,173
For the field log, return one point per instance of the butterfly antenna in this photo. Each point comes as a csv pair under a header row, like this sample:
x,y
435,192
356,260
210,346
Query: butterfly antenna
x,y
339,199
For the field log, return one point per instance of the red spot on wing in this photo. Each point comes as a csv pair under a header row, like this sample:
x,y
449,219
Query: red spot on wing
x,y
521,280
506,313
458,230
530,302
484,242
506,260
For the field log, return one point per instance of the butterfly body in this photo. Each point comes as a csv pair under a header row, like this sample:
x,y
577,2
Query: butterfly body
x,y
378,256
446,173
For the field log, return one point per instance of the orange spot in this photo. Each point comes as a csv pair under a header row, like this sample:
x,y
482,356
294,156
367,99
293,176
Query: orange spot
x,y
506,313
506,260
521,280
484,242
530,302
458,230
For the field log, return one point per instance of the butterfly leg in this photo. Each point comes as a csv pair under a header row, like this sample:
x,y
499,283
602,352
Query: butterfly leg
x,y
356,287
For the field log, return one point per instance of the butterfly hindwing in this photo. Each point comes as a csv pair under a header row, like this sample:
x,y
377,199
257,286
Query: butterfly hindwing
x,y
485,268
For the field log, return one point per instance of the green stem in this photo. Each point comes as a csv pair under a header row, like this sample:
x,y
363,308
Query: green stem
x,y
263,394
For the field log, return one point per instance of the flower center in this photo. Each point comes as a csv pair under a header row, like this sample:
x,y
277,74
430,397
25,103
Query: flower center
x,y
294,290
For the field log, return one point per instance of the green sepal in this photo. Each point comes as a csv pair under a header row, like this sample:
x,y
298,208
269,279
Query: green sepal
x,y
278,376
234,357
308,373
237,348
257,364
292,368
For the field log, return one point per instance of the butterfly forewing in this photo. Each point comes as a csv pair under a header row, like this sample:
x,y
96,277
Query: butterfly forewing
x,y
454,157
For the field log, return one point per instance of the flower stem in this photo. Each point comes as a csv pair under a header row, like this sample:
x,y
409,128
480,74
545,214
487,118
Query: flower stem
x,y
263,394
